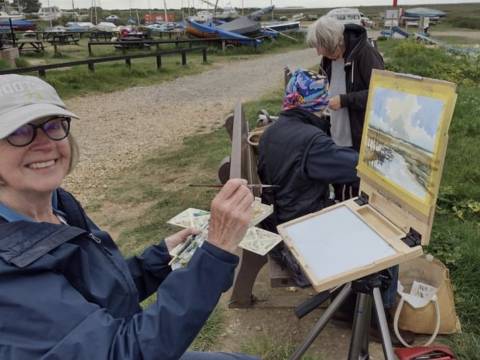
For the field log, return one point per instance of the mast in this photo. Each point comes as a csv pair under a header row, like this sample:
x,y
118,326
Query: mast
x,y
165,10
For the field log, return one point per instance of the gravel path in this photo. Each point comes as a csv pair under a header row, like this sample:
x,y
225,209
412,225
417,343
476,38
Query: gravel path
x,y
116,129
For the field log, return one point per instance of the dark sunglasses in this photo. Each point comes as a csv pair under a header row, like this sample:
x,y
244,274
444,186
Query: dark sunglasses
x,y
56,129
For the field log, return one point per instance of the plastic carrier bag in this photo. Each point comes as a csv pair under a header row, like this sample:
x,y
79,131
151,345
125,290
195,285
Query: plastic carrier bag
x,y
426,304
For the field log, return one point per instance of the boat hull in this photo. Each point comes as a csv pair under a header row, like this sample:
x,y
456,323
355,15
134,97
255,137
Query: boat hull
x,y
211,32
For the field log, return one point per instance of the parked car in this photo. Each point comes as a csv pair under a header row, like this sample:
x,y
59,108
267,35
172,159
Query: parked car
x,y
346,15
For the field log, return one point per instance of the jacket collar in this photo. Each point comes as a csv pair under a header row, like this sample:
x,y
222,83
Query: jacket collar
x,y
308,118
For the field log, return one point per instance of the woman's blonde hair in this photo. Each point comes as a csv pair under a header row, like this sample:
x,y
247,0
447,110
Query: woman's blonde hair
x,y
74,153
325,33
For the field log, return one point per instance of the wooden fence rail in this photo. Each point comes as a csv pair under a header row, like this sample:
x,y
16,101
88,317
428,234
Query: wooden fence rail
x,y
157,43
91,62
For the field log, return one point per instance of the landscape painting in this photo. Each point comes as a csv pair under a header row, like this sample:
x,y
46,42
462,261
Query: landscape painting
x,y
401,138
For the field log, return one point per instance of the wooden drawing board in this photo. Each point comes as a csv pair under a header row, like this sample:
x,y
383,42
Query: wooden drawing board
x,y
345,242
403,148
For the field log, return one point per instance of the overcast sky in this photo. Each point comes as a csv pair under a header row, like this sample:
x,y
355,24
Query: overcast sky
x,y
145,4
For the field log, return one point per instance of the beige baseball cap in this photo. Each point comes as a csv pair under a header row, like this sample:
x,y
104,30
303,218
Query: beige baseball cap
x,y
27,98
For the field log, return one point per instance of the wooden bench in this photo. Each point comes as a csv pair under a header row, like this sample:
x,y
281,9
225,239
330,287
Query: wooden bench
x,y
242,163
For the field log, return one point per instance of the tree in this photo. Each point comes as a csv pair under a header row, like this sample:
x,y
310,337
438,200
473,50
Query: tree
x,y
28,6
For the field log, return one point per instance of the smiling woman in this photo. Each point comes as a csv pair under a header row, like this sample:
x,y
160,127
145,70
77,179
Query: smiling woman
x,y
90,293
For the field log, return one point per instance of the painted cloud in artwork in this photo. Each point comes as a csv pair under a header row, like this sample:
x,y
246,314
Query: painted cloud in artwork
x,y
414,119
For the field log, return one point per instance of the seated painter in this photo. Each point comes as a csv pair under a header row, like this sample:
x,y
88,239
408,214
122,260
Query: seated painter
x,y
297,153
65,290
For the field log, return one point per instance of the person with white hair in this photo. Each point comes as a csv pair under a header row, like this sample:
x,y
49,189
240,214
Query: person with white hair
x,y
348,60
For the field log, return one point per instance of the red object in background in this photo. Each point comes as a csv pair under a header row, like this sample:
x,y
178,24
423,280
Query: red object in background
x,y
395,3
434,352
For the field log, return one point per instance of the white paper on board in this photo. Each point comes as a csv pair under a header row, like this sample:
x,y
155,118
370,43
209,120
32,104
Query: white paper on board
x,y
336,242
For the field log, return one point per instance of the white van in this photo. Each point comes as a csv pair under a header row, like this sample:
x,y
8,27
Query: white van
x,y
346,15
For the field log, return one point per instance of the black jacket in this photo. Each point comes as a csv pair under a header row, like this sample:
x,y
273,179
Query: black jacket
x,y
296,153
360,59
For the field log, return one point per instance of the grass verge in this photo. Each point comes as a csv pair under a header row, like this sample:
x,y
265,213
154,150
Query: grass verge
x,y
115,76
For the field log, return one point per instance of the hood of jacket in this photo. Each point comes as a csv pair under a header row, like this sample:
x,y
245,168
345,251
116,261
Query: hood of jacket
x,y
355,37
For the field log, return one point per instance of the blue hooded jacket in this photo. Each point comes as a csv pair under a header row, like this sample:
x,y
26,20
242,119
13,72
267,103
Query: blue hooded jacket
x,y
66,292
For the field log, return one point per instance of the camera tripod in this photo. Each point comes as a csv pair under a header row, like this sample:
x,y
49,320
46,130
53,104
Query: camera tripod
x,y
368,291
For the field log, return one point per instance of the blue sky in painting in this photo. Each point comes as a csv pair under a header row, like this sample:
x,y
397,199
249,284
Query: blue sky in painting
x,y
409,117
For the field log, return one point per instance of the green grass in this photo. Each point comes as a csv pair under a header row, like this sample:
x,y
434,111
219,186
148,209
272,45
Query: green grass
x,y
4,64
268,348
210,332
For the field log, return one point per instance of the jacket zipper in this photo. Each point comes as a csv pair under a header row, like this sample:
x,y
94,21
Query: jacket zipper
x,y
130,286
99,242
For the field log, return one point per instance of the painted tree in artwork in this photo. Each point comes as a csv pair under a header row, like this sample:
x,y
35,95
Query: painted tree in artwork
x,y
27,6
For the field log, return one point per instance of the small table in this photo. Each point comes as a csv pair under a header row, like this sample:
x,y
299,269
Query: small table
x,y
63,39
31,45
131,43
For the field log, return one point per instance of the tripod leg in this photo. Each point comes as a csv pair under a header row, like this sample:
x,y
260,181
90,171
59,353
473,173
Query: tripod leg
x,y
322,322
361,326
382,324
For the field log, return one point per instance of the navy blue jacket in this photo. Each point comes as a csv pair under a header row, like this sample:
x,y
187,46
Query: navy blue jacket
x,y
66,292
296,153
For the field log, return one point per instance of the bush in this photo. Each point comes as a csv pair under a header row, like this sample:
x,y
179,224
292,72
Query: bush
x,y
21,63
4,64
416,58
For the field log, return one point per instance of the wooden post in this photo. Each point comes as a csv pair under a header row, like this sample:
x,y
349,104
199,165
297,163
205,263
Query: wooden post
x,y
159,62
241,166
42,73
184,58
90,50
204,51
223,46
91,66
128,62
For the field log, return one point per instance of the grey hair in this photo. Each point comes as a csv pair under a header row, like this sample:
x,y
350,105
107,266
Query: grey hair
x,y
326,33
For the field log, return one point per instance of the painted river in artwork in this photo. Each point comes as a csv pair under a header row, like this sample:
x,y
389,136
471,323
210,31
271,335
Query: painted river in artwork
x,y
400,162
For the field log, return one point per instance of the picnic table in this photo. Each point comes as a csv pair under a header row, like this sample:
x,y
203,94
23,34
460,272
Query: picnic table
x,y
32,45
125,43
63,38
101,35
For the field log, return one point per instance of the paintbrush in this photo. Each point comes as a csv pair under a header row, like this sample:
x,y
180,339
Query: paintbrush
x,y
250,186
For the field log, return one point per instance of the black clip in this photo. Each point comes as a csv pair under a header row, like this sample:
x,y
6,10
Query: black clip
x,y
413,238
362,199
